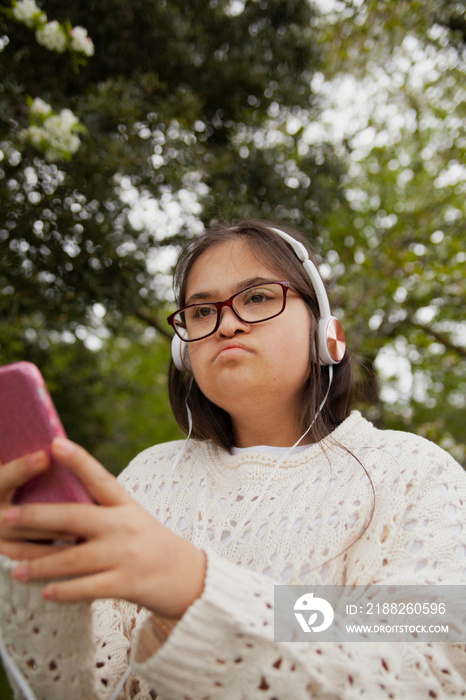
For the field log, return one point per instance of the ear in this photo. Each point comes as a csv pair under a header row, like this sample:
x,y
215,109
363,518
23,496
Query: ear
x,y
180,355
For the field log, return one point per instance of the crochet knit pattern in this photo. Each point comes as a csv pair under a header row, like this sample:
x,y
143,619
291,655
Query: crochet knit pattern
x,y
364,506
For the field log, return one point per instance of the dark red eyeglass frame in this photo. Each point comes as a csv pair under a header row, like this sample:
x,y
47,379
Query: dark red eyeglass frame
x,y
229,302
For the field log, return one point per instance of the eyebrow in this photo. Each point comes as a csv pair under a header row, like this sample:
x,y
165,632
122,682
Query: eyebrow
x,y
203,296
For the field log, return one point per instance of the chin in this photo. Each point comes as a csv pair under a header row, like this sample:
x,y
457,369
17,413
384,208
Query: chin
x,y
234,392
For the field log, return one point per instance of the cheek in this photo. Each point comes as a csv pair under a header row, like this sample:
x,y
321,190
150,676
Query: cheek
x,y
289,354
295,341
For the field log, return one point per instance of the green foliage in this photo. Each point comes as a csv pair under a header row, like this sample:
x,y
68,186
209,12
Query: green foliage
x,y
213,101
134,376
5,691
169,88
401,237
173,95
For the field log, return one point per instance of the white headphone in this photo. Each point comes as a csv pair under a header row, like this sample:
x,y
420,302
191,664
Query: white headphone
x,y
180,354
331,336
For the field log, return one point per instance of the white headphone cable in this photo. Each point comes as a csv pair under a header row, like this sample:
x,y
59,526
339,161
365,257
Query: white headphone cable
x,y
280,462
178,459
121,683
8,662
181,453
23,685
15,673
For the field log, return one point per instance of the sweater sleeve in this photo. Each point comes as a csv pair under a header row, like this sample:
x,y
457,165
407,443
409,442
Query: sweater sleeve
x,y
224,645
78,651
223,648
51,645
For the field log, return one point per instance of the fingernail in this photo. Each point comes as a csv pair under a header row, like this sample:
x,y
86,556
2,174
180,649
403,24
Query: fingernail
x,y
22,572
48,593
36,459
62,446
11,515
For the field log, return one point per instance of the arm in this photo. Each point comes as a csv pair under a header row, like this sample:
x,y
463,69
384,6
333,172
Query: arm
x,y
125,554
223,647
78,651
51,651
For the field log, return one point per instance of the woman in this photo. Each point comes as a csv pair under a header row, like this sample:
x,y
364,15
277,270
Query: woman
x,y
183,552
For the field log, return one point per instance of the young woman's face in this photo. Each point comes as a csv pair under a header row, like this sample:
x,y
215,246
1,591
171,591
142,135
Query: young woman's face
x,y
248,367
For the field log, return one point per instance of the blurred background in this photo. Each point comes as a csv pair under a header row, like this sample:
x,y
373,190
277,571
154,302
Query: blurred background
x,y
126,127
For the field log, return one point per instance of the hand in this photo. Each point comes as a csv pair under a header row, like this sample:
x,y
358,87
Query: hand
x,y
125,552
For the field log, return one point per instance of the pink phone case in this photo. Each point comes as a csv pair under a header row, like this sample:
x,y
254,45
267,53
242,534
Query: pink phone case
x,y
29,422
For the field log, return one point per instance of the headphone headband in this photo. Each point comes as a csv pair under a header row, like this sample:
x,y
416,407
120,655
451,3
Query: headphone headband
x,y
331,337
311,269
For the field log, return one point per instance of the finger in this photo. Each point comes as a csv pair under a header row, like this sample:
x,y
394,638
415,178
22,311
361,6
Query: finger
x,y
80,560
17,472
55,520
19,551
13,535
102,485
100,585
37,521
12,529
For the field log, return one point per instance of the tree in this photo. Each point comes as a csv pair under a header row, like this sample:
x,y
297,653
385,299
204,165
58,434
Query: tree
x,y
400,246
176,104
208,111
166,101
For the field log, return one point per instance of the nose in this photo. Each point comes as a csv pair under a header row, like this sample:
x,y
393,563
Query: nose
x,y
230,324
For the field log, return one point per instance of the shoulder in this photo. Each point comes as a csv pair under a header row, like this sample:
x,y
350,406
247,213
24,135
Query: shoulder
x,y
156,457
415,456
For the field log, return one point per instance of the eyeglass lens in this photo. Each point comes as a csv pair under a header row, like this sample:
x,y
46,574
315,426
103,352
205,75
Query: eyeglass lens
x,y
251,305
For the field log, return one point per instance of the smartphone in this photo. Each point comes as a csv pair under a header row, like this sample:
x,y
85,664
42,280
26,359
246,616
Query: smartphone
x,y
29,422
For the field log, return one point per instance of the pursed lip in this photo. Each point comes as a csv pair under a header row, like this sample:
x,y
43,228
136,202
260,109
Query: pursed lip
x,y
232,345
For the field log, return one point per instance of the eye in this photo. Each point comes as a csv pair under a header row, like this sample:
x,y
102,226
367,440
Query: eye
x,y
201,312
260,295
258,298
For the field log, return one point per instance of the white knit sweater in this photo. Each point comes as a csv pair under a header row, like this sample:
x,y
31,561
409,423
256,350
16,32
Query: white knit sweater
x,y
306,530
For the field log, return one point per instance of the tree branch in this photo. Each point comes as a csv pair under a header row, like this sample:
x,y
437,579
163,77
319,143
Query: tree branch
x,y
440,337
154,323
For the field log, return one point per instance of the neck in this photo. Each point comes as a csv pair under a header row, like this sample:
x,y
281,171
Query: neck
x,y
277,432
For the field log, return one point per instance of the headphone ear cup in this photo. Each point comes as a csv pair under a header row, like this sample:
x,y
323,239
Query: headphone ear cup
x,y
332,344
180,355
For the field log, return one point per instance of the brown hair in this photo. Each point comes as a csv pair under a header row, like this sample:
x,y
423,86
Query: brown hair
x,y
212,422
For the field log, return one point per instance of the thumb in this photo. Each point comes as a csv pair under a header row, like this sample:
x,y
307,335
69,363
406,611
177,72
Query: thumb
x,y
103,486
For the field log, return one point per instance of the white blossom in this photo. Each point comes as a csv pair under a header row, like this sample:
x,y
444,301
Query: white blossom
x,y
57,151
80,42
26,11
34,134
57,137
52,37
68,120
40,108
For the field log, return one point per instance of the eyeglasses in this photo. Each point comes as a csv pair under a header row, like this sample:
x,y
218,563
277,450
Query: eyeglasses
x,y
254,304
